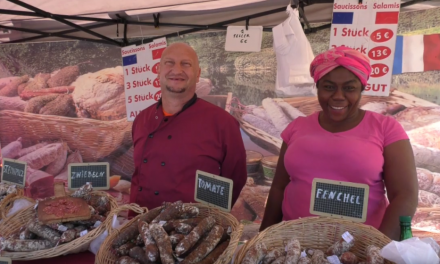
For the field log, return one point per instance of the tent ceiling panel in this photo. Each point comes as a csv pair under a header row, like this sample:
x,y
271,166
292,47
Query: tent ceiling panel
x,y
195,12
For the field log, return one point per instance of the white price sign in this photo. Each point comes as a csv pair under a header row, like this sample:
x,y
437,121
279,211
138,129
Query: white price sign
x,y
370,28
141,82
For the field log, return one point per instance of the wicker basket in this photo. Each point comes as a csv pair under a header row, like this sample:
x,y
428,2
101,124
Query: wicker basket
x,y
7,203
317,233
95,139
13,224
309,105
105,256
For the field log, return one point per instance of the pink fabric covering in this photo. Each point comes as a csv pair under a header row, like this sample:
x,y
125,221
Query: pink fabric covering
x,y
348,58
355,156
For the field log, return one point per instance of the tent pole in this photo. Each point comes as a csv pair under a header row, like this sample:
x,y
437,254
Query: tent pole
x,y
62,20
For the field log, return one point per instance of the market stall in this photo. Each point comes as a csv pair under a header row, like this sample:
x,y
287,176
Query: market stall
x,y
67,79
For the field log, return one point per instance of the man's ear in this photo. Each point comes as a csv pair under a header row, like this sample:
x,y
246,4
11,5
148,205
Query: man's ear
x,y
198,74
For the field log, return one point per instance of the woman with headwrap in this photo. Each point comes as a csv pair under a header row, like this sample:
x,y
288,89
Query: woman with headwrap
x,y
344,143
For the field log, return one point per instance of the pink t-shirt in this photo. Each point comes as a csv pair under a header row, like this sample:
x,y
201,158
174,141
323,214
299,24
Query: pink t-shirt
x,y
355,156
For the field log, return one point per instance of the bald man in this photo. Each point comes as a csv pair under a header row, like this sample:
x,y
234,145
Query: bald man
x,y
181,134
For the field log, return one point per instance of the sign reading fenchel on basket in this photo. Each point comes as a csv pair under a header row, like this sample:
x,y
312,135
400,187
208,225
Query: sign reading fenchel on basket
x,y
97,173
338,199
213,190
4,260
141,81
14,172
369,27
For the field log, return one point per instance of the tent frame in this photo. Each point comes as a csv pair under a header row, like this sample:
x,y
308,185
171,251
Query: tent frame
x,y
102,22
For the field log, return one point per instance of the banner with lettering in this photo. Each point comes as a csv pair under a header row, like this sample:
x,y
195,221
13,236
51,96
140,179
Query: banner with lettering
x,y
142,87
69,102
371,28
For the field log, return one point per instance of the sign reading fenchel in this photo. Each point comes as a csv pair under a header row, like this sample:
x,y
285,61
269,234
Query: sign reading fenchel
x,y
339,199
14,172
98,174
371,28
213,190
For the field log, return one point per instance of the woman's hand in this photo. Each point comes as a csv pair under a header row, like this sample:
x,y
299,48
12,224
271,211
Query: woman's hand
x,y
273,213
400,178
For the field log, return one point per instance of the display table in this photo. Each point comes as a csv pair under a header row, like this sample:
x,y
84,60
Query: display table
x,y
83,258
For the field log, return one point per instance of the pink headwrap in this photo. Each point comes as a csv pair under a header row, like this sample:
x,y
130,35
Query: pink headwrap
x,y
348,58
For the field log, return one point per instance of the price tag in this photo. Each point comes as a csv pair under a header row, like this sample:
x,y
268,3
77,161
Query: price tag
x,y
238,38
13,172
141,82
97,174
339,199
97,223
303,254
370,28
83,233
333,259
62,228
213,190
347,237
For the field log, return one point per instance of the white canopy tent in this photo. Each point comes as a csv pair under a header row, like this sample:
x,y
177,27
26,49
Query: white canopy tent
x,y
105,21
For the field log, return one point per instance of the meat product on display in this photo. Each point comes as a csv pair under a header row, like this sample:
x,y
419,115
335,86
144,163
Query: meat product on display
x,y
427,199
425,179
426,157
418,116
428,136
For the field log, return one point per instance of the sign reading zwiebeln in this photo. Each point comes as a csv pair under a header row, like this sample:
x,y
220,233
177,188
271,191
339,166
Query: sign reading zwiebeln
x,y
246,40
213,190
339,199
97,173
14,172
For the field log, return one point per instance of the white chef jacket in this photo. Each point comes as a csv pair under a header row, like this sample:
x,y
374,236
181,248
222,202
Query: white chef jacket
x,y
294,55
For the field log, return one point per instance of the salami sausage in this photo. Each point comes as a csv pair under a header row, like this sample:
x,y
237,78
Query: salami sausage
x,y
149,216
176,211
129,233
279,260
349,258
176,238
151,250
17,245
255,254
171,225
274,254
183,228
215,254
138,254
125,249
191,239
163,243
304,260
206,246
293,249
373,255
68,235
319,257
340,247
44,232
126,260
26,234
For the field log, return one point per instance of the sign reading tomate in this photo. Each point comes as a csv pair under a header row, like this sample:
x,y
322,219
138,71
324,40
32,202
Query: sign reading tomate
x,y
141,82
370,28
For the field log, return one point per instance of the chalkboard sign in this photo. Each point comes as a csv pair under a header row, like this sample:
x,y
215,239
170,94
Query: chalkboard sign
x,y
97,173
339,199
213,190
4,260
14,172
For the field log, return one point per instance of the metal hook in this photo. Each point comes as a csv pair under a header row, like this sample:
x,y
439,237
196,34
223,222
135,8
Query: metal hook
x,y
247,23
